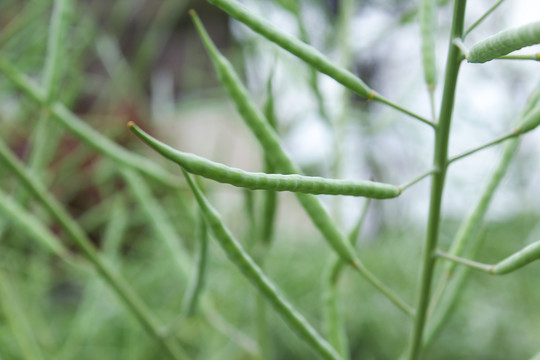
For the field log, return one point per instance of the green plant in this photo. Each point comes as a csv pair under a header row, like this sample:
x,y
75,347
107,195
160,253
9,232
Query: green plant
x,y
177,288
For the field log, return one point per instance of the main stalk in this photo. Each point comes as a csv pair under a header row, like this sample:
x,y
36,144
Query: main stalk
x,y
437,183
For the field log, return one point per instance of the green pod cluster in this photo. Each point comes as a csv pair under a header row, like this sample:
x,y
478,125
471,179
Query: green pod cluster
x,y
269,140
296,47
261,181
239,257
505,42
428,29
530,121
515,261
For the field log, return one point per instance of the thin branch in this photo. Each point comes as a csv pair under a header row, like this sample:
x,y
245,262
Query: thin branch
x,y
482,18
482,147
470,263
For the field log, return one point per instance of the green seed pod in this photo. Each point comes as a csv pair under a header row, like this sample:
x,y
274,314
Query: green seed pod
x,y
300,49
528,254
260,181
504,43
269,140
273,150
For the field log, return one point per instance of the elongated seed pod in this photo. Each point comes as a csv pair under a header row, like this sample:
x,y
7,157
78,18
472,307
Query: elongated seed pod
x,y
298,48
261,181
269,140
515,261
253,273
530,121
505,42
428,28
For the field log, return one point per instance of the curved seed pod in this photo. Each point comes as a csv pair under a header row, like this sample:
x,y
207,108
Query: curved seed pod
x,y
528,254
428,27
308,54
300,49
261,181
269,140
505,42
253,273
530,121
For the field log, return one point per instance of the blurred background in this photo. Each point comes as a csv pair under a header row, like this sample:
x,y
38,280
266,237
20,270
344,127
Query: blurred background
x,y
142,61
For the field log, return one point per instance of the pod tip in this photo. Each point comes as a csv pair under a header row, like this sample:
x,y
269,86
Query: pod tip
x,y
130,124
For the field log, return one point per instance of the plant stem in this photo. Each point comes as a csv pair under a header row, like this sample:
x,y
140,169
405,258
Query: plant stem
x,y
438,178
416,180
470,263
307,53
482,18
482,147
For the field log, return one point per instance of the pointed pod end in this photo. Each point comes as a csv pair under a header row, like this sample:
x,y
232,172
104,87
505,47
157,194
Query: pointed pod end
x,y
131,124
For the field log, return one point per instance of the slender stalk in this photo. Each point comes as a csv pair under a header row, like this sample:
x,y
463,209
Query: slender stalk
x,y
307,54
482,147
470,263
253,273
438,178
334,326
417,179
482,18
467,235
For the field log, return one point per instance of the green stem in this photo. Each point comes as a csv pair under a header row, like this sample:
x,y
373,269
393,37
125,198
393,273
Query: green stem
x,y
482,18
482,147
307,53
416,180
438,178
470,263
